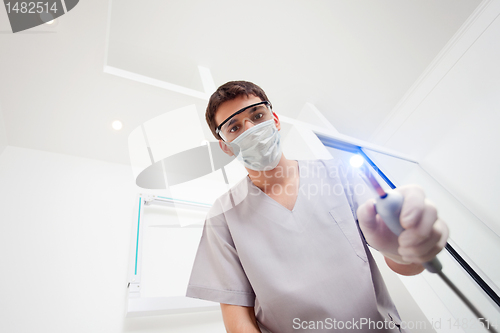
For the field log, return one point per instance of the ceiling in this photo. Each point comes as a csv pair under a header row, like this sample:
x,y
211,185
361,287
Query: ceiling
x,y
353,59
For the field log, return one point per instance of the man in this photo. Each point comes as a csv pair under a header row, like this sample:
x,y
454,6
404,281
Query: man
x,y
282,252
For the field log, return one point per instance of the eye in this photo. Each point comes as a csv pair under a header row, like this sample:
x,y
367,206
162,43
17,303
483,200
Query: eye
x,y
258,116
233,129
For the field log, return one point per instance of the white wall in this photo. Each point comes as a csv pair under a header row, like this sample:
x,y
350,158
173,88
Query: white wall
x,y
449,120
64,245
3,133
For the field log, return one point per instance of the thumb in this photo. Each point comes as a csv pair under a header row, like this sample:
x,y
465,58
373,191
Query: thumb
x,y
367,215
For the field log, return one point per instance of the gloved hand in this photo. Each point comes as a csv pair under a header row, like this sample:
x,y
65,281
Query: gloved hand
x,y
425,235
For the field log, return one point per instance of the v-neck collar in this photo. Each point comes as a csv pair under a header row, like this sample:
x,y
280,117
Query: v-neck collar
x,y
268,198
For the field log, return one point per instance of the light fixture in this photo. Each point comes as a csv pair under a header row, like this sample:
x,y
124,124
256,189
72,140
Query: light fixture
x,y
117,125
48,18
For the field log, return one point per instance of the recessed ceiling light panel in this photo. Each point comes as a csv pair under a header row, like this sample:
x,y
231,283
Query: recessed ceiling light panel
x,y
117,125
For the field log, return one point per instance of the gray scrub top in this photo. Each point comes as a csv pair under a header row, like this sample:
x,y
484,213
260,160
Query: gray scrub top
x,y
308,269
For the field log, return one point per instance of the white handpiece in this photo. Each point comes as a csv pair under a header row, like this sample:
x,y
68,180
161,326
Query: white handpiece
x,y
389,209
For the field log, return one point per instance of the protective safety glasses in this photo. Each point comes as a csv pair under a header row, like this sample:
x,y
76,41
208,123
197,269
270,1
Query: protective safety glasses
x,y
233,126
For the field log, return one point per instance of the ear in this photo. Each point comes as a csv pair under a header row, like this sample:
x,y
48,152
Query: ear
x,y
277,121
225,148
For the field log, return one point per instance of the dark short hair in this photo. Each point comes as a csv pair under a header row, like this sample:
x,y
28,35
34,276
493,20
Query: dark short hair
x,y
229,91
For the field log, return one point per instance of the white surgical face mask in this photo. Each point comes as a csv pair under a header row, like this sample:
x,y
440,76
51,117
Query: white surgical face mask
x,y
259,147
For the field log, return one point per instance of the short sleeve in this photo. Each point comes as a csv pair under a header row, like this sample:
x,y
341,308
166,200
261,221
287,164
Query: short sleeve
x,y
217,273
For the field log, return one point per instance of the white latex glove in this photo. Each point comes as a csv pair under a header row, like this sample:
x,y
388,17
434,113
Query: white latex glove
x,y
425,235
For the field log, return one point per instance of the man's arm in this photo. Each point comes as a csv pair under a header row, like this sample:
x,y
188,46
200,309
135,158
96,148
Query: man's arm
x,y
239,319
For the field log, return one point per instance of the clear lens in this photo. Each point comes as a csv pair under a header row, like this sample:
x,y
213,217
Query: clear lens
x,y
236,125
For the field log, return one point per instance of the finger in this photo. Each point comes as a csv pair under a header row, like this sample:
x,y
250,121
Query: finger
x,y
427,250
445,233
425,257
413,205
421,249
367,215
421,231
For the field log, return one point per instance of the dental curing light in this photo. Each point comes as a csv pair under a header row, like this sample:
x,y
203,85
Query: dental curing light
x,y
388,205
